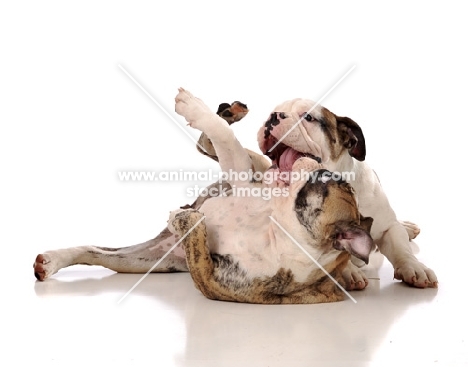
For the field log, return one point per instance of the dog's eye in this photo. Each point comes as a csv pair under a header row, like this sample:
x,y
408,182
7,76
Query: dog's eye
x,y
308,117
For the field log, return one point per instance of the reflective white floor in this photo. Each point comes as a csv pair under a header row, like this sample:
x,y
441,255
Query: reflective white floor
x,y
75,318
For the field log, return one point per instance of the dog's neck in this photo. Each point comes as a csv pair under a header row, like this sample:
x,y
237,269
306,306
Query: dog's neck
x,y
284,240
287,253
345,163
348,165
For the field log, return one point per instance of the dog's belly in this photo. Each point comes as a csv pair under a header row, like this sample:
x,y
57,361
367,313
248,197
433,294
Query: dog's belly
x,y
239,226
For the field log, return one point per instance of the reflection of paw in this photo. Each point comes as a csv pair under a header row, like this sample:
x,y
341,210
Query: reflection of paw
x,y
354,278
416,274
412,229
44,266
197,114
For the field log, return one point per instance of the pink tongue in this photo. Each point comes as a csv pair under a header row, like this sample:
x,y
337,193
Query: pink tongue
x,y
288,158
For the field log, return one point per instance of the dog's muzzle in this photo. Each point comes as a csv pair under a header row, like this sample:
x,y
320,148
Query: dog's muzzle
x,y
281,155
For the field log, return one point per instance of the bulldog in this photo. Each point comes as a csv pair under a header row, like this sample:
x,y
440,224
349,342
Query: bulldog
x,y
295,137
299,128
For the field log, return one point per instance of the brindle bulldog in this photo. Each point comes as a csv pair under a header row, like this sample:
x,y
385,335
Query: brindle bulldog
x,y
248,249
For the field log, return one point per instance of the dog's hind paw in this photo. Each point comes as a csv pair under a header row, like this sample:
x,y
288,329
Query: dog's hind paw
x,y
412,229
416,274
354,278
43,267
182,220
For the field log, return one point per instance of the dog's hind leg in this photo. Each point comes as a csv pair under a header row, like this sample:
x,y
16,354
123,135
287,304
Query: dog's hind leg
x,y
412,229
199,260
132,259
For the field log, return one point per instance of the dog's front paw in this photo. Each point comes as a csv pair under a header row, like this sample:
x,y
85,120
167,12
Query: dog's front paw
x,y
354,278
197,114
416,274
44,266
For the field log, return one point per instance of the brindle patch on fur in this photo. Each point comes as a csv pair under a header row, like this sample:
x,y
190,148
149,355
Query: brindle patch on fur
x,y
305,212
282,288
228,273
280,282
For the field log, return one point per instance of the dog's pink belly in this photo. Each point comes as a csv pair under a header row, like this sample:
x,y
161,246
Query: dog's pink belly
x,y
239,227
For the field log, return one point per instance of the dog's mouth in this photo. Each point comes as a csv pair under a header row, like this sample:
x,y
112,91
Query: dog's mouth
x,y
283,156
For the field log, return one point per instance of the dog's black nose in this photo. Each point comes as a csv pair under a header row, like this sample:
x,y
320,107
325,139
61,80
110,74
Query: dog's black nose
x,y
272,121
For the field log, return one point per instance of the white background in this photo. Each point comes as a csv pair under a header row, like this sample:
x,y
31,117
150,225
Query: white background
x,y
71,119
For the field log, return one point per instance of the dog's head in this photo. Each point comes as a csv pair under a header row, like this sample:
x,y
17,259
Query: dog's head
x,y
300,128
327,212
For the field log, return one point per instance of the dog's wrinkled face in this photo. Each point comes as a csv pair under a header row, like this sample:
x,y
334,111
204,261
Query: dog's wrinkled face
x,y
320,134
326,206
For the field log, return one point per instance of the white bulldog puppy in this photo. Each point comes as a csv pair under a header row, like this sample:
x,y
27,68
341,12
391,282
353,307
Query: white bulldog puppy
x,y
299,128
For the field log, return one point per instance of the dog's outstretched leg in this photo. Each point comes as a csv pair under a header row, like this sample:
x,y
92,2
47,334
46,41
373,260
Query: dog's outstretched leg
x,y
133,259
231,155
230,113
199,260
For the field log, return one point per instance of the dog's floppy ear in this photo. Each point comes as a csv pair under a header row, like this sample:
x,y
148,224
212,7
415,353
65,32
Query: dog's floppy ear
x,y
352,137
354,240
366,222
